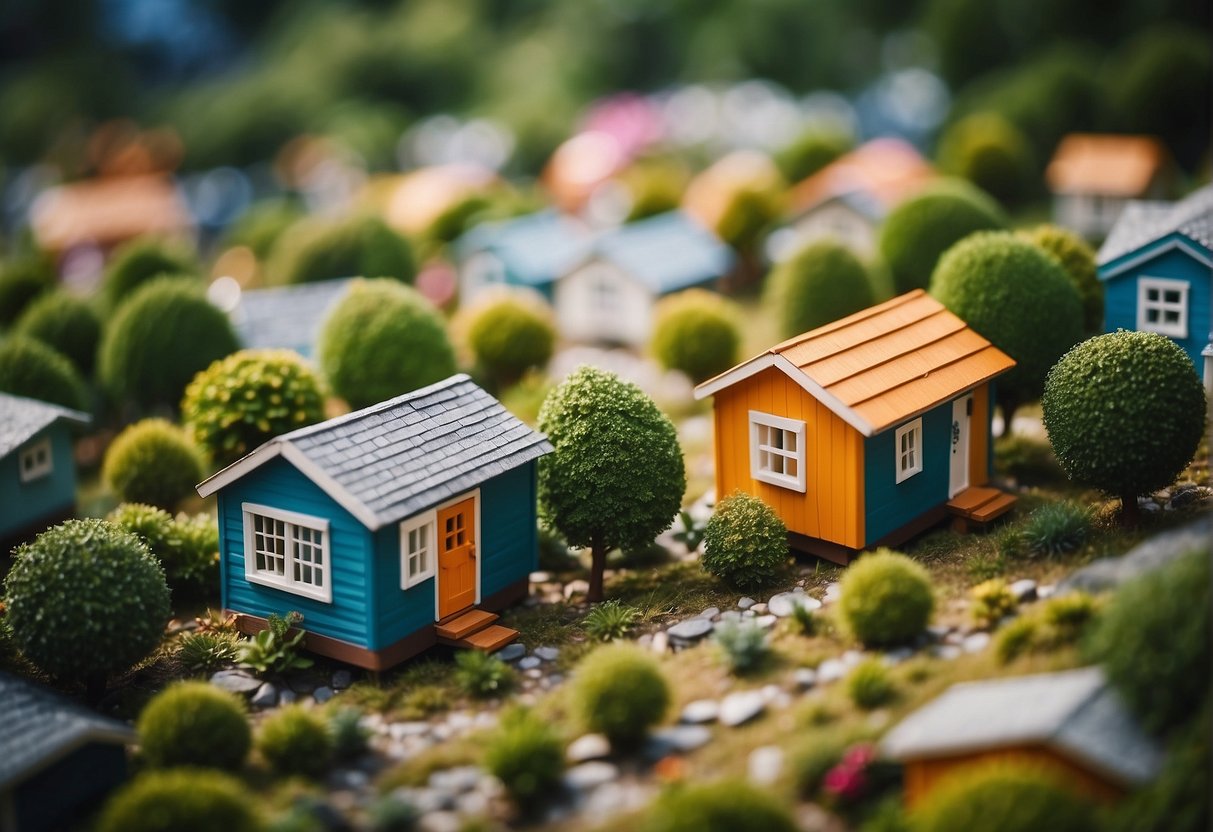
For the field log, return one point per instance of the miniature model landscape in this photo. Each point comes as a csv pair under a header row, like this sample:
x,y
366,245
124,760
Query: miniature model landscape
x,y
824,449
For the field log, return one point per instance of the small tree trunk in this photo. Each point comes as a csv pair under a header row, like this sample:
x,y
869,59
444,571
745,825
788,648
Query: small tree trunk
x,y
598,553
1008,405
1130,512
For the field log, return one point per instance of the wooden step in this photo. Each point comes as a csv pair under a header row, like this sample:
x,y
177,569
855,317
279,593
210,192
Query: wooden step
x,y
491,638
997,507
971,499
464,624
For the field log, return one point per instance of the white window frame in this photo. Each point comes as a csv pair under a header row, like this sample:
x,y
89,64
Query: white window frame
x,y
605,291
422,523
760,450
913,451
36,460
286,582
1162,285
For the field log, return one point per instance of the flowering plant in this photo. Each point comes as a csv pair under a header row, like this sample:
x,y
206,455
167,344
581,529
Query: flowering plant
x,y
849,780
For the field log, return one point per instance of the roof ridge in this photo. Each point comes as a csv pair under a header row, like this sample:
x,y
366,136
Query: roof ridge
x,y
298,433
849,320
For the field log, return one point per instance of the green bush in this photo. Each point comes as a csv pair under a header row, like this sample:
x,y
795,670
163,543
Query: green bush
x,y
1153,641
526,755
743,644
609,620
728,806
261,225
1077,260
248,398
1057,528
205,652
918,231
194,724
481,674
162,336
619,691
1124,413
296,741
1002,797
378,318
885,598
811,151
869,684
315,249
32,369
391,814
509,333
67,324
1058,622
696,332
1016,638
812,761
745,543
141,261
22,281
1178,799
153,462
182,800
350,736
187,548
992,153
820,283
992,601
86,599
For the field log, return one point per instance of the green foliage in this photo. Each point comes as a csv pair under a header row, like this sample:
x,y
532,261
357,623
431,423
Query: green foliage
x,y
22,281
885,598
183,800
750,211
141,261
314,249
745,543
554,555
526,755
1124,412
248,398
296,741
350,736
716,807
1056,528
1077,260
154,462
1028,460
188,548
1003,797
481,674
743,644
261,225
609,620
391,814
619,691
803,620
379,318
820,283
812,761
918,231
1016,638
85,599
811,151
163,335
1153,641
696,332
1178,799
1058,622
194,724
992,153
510,332
275,649
32,369
869,684
205,652
690,532
65,323
992,601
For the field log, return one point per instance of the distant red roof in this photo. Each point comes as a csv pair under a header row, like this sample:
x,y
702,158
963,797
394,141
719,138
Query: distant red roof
x,y
886,169
1106,164
108,210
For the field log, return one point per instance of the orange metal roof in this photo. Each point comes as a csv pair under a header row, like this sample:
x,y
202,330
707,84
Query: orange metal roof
x,y
887,169
1108,164
108,210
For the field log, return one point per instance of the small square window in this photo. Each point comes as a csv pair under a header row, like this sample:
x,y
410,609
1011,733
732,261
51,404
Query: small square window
x,y
777,450
1162,306
36,461
908,447
287,550
417,556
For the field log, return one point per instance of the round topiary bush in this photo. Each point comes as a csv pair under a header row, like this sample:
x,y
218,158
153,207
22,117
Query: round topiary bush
x,y
65,323
159,339
1077,260
248,398
696,332
619,691
186,547
527,756
379,318
22,281
992,153
1124,412
296,741
811,151
85,599
717,807
509,333
1002,797
183,800
194,724
321,249
885,598
141,261
822,282
153,462
918,231
745,542
869,684
32,369
1017,297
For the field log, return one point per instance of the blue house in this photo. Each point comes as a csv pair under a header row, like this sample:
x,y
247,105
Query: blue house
x,y
390,529
37,469
1157,270
532,251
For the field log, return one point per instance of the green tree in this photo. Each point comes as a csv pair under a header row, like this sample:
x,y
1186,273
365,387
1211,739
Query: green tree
x,y
67,324
22,281
314,249
992,153
152,461
820,283
32,369
142,260
509,332
697,333
1077,259
811,151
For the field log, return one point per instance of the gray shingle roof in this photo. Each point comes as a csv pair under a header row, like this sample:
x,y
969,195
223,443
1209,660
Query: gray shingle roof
x,y
1142,222
286,317
38,727
536,248
1074,712
666,252
21,418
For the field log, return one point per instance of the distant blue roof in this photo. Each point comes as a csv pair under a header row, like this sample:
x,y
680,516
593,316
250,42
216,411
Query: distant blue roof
x,y
1143,222
667,252
287,317
21,418
536,249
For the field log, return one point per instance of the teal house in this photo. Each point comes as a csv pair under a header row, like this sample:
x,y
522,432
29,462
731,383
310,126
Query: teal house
x,y
390,529
531,251
37,469
1157,271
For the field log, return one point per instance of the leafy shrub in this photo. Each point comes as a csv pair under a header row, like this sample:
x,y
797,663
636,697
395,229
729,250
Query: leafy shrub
x,y
350,736
183,800
159,339
745,543
1068,615
690,531
296,741
992,153
743,645
609,620
619,691
811,151
275,649
812,761
885,598
714,807
315,249
1077,260
509,332
1056,623
22,281
992,601
206,652
248,398
1001,797
803,620
1027,460
140,262
1016,638
378,318
695,332
423,700
820,283
869,684
32,369
482,674
194,724
526,755
391,814
261,225
65,323
153,462
187,548
85,599
1057,528
1178,799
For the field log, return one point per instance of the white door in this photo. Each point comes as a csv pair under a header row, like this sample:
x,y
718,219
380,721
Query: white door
x,y
958,472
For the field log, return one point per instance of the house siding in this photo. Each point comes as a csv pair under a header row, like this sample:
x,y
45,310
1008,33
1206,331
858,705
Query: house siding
x,y
891,505
48,497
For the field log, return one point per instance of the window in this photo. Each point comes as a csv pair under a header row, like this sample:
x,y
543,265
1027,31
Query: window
x,y
36,461
1162,306
908,445
777,450
417,555
604,291
287,551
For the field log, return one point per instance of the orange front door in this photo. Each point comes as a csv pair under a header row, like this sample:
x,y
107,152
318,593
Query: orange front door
x,y
456,558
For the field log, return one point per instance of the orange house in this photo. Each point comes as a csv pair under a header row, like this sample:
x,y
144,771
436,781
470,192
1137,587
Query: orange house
x,y
865,431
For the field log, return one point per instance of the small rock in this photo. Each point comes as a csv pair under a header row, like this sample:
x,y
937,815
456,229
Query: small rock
x,y
938,632
1024,589
661,643
731,615
831,670
805,677
976,642
349,778
511,652
591,775
748,613
765,765
746,603
588,747
425,801
676,739
700,711
265,697
532,673
540,577
577,587
1149,506
342,679
833,592
1046,591
690,630
322,694
709,613
739,708
472,804
546,654
400,730
236,681
766,622
897,656
455,780
852,657
287,697
947,652
758,609
1184,495
529,663
440,822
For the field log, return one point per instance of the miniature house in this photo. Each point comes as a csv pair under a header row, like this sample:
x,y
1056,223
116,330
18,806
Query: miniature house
x,y
1092,176
530,252
1072,722
865,431
389,529
37,469
284,317
1157,271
